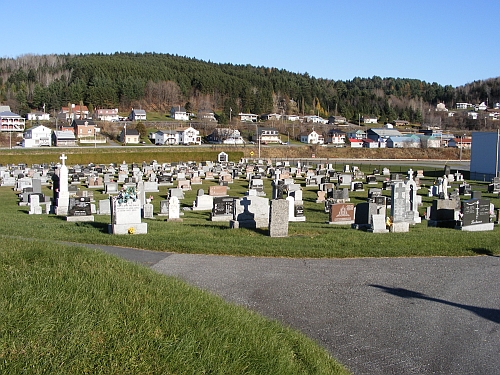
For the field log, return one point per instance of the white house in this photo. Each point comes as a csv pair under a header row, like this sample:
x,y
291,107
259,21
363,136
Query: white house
x,y
312,137
472,115
189,136
107,114
291,117
206,115
37,116
315,119
481,107
358,134
248,117
369,120
37,136
164,137
356,143
73,112
463,105
226,136
11,122
270,116
441,107
129,136
137,115
267,135
336,137
179,113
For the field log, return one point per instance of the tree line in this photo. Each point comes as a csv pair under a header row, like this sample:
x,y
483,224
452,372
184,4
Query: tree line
x,y
156,82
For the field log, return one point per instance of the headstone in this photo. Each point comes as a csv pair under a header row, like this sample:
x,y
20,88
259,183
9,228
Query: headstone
x,y
363,215
61,190
476,215
222,209
126,213
79,209
341,213
278,218
104,207
147,211
163,207
399,200
222,157
35,208
250,212
174,209
111,187
217,191
203,203
378,224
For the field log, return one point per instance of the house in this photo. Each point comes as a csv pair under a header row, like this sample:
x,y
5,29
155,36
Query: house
x,y
463,105
270,117
107,114
336,137
315,119
369,120
291,118
206,115
472,115
464,143
370,143
179,113
358,134
356,143
400,123
267,135
377,134
496,106
63,138
337,120
429,141
188,136
73,112
221,135
164,137
84,128
37,116
481,107
11,122
137,115
312,137
129,136
412,141
247,117
37,136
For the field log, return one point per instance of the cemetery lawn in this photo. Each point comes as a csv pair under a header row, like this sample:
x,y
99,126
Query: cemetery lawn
x,y
71,310
313,238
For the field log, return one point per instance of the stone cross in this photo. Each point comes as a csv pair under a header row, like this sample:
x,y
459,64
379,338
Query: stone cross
x,y
63,158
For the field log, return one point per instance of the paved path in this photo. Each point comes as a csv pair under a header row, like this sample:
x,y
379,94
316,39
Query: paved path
x,y
376,316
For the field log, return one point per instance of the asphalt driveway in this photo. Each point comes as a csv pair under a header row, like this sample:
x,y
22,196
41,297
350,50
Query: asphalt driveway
x,y
376,316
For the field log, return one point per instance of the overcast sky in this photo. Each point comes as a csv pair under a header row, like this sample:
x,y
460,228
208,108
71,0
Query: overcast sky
x,y
448,42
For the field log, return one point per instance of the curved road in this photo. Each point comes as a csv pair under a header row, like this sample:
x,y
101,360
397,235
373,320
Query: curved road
x,y
377,316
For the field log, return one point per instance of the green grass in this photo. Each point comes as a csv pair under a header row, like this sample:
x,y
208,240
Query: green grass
x,y
70,310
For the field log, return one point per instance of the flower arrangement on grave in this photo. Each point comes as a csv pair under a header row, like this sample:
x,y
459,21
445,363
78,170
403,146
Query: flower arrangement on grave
x,y
127,194
131,230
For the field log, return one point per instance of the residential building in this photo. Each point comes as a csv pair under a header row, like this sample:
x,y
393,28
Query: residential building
x,y
358,134
189,136
464,143
220,135
369,120
37,116
370,143
206,115
481,107
377,134
356,143
441,107
179,113
63,138
463,105
472,115
412,141
312,137
129,136
107,114
37,136
270,117
84,128
73,112
137,115
336,137
267,135
400,123
337,120
164,137
291,118
11,122
248,117
315,119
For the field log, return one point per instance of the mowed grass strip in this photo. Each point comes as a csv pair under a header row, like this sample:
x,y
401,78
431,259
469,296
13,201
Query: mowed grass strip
x,y
71,310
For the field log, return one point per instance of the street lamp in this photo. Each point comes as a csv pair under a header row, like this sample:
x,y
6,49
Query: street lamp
x,y
258,136
461,145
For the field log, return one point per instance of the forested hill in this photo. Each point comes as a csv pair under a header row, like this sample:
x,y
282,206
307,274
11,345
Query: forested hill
x,y
159,81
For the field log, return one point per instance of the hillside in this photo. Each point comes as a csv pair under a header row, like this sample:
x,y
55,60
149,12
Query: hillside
x,y
158,81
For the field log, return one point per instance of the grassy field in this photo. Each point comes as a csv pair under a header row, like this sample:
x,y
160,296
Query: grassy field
x,y
70,310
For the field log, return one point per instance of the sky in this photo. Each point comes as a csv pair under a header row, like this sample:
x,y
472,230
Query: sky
x,y
450,42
